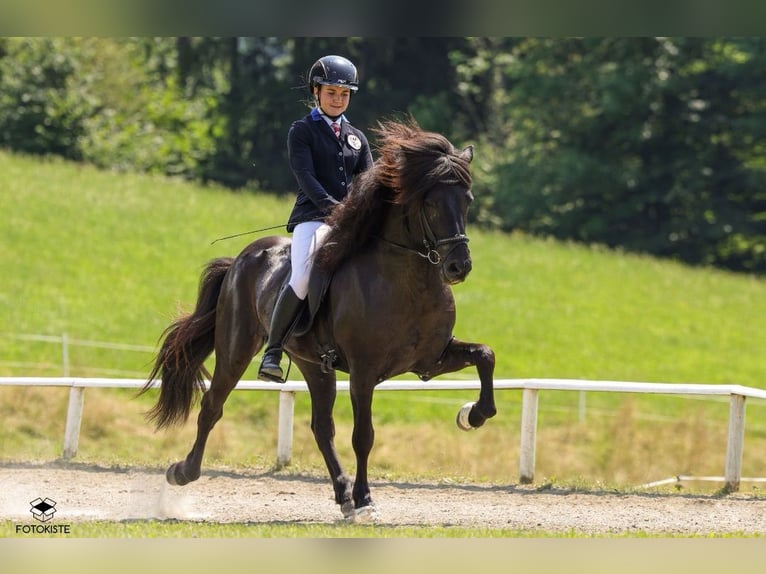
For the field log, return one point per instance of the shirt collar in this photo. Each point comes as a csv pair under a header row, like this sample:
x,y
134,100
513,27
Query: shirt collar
x,y
316,115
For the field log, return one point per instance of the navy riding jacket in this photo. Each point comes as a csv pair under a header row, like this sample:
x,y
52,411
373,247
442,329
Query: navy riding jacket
x,y
323,165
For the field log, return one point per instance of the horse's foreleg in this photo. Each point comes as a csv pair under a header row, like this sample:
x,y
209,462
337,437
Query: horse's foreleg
x,y
362,439
322,388
459,355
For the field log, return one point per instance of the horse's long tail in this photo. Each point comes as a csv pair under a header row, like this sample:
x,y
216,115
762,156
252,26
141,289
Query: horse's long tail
x,y
188,342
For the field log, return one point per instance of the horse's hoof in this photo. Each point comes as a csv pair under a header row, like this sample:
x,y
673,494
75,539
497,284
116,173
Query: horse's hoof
x,y
364,515
174,477
347,508
462,417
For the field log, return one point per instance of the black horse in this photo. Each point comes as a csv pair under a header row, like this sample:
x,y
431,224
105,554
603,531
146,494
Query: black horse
x,y
397,244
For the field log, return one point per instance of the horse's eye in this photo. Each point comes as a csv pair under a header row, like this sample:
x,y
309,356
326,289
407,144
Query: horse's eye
x,y
430,201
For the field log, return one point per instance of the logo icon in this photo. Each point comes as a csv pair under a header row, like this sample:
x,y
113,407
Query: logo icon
x,y
43,509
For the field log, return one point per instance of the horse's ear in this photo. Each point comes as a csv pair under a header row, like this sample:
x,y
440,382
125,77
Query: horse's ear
x,y
467,153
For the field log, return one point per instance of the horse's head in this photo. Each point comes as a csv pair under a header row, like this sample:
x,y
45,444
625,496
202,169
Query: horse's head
x,y
443,217
414,199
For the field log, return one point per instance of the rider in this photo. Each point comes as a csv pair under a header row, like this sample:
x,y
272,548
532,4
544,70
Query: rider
x,y
325,153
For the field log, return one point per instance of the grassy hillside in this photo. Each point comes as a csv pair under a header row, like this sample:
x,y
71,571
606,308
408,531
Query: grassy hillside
x,y
113,257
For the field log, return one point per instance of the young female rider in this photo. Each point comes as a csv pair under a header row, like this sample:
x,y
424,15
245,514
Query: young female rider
x,y
325,153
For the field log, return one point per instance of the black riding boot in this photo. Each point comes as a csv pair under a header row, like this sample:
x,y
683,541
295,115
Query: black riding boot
x,y
285,313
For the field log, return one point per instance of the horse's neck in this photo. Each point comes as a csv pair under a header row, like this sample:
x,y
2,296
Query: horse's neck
x,y
401,254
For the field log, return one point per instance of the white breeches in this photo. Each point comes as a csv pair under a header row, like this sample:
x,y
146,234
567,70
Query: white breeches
x,y
307,237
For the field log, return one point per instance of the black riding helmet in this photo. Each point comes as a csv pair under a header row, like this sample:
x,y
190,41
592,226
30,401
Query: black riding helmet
x,y
333,71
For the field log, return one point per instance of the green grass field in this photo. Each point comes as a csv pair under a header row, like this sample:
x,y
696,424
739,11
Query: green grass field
x,y
193,529
114,257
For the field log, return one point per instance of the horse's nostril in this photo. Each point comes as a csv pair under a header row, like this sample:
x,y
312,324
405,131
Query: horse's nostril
x,y
457,270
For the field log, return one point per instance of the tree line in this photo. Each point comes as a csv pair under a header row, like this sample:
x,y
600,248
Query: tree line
x,y
654,145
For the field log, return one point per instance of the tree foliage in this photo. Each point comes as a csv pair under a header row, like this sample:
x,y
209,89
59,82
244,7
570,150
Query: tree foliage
x,y
40,111
649,144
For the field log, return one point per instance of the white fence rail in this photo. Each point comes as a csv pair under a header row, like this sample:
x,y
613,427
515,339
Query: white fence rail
x,y
66,342
530,388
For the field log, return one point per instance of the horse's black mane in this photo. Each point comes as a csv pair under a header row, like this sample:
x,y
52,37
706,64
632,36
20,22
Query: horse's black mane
x,y
410,162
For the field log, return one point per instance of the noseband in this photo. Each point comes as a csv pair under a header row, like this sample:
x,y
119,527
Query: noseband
x,y
431,243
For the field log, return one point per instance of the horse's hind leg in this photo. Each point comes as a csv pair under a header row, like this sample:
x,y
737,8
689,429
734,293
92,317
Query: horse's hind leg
x,y
322,388
225,378
237,342
459,355
211,411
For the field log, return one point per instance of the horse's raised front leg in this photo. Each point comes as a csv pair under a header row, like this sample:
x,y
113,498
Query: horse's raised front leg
x,y
322,388
459,355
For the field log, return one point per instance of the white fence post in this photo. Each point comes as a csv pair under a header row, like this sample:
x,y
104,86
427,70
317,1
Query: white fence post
x,y
735,443
285,427
73,421
528,436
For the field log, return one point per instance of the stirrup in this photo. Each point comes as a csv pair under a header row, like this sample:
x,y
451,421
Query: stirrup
x,y
269,378
272,378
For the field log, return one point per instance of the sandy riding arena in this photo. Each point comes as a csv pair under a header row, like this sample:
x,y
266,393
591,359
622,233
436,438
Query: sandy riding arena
x,y
87,492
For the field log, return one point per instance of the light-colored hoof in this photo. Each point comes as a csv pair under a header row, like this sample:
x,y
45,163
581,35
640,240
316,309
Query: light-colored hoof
x,y
170,474
364,515
462,417
347,508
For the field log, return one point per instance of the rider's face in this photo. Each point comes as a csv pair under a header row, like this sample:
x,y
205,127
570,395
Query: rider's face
x,y
333,100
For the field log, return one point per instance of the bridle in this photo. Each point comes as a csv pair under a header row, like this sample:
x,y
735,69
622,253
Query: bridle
x,y
431,243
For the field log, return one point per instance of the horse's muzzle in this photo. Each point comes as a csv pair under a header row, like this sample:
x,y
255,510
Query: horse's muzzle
x,y
456,267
